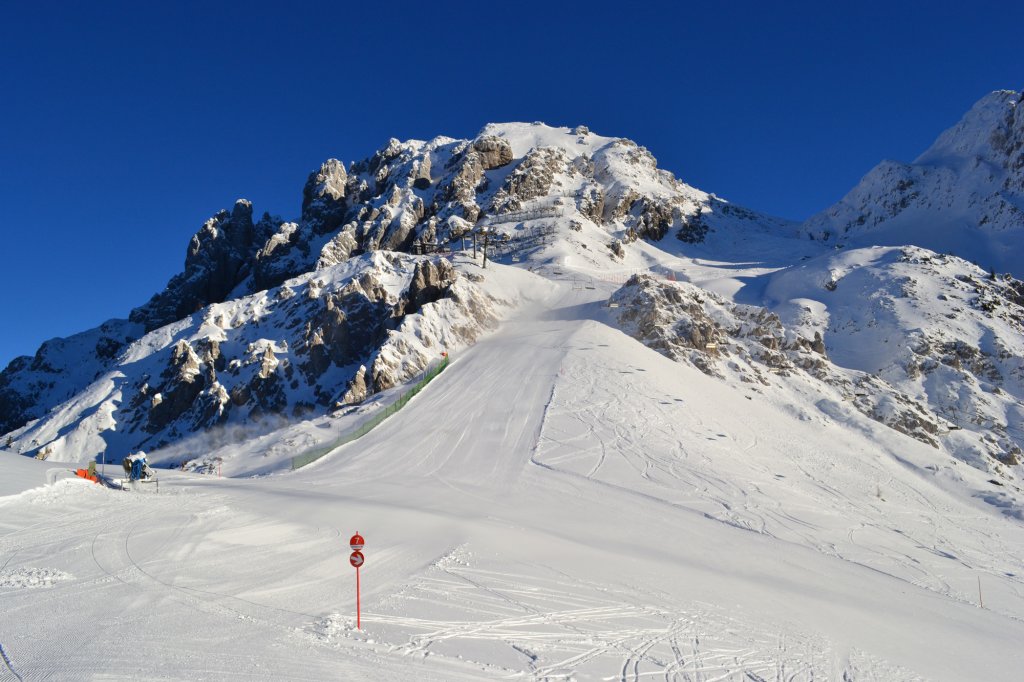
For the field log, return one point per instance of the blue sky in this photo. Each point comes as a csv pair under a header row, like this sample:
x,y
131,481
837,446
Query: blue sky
x,y
123,126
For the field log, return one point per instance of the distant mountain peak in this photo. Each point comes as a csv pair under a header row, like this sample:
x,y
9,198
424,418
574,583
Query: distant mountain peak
x,y
990,130
964,195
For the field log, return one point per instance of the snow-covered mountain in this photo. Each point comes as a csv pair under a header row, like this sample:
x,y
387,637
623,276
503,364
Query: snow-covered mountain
x,y
224,342
676,437
273,322
963,196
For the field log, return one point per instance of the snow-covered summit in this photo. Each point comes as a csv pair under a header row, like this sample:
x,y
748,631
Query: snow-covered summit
x,y
964,195
992,130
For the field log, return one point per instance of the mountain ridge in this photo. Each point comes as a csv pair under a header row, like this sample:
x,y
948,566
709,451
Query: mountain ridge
x,y
387,201
282,320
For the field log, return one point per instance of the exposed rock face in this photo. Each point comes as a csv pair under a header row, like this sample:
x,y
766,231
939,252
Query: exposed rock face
x,y
323,197
462,189
294,350
494,152
346,325
591,203
356,391
408,193
653,218
693,229
392,229
421,174
292,248
430,281
282,256
533,177
339,249
182,383
220,255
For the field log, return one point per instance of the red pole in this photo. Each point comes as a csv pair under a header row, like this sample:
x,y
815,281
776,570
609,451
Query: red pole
x,y
359,625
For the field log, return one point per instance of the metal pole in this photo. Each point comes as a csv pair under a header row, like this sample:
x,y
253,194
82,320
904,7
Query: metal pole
x,y
359,625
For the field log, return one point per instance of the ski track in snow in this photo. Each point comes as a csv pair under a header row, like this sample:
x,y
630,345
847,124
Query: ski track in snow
x,y
595,629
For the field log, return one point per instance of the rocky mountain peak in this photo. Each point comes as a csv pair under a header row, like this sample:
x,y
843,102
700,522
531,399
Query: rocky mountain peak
x,y
323,197
300,317
964,195
992,130
219,256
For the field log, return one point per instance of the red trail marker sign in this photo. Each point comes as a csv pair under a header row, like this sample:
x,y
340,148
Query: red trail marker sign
x,y
357,559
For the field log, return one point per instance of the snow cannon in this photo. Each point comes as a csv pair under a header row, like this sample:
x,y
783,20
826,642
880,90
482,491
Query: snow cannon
x,y
136,468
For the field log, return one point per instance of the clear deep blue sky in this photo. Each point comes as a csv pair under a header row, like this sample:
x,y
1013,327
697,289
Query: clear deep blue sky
x,y
124,126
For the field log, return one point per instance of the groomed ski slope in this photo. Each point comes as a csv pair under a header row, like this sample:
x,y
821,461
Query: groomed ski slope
x,y
562,503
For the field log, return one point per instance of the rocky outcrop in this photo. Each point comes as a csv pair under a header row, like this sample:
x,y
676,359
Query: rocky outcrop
x,y
533,177
357,390
462,189
392,227
323,197
219,257
653,218
693,229
494,152
590,202
430,282
282,256
293,248
181,385
339,249
408,195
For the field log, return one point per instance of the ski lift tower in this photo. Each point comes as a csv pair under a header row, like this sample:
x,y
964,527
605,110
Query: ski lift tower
x,y
485,232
